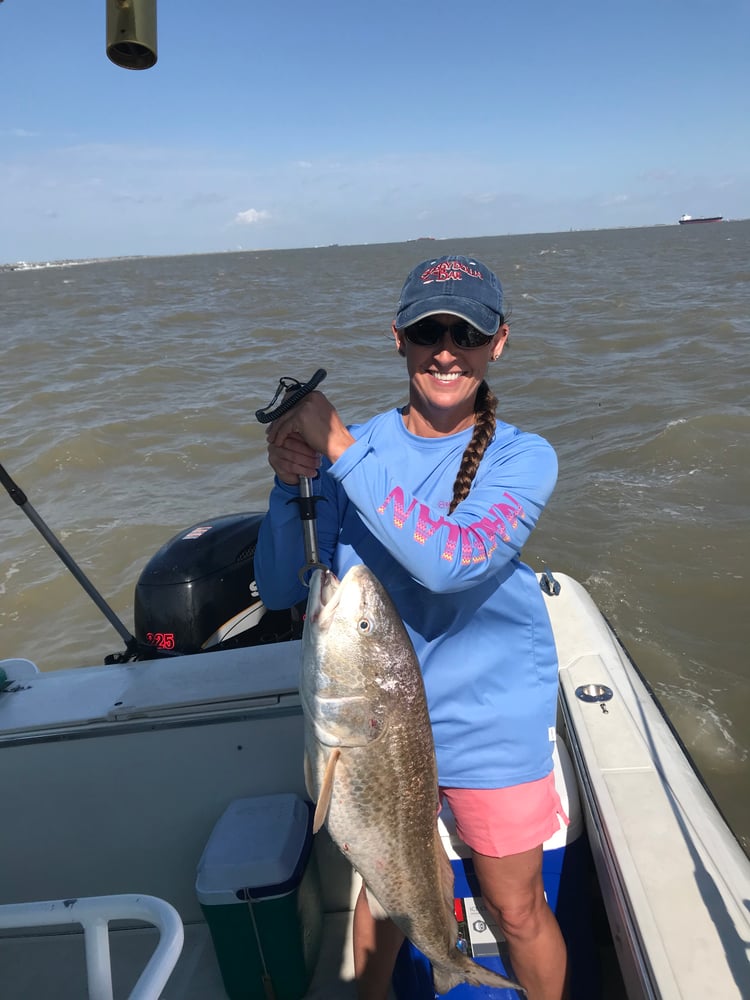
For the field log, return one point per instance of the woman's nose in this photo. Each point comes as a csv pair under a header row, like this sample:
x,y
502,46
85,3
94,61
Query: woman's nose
x,y
446,345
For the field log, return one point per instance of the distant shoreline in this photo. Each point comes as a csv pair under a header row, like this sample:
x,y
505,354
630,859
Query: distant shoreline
x,y
22,265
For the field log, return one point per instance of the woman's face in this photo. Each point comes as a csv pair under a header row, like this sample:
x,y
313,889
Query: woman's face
x,y
444,378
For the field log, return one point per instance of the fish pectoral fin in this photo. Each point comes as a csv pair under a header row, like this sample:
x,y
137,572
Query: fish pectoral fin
x,y
326,790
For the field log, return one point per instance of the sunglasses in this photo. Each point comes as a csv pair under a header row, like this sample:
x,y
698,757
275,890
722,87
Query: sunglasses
x,y
430,331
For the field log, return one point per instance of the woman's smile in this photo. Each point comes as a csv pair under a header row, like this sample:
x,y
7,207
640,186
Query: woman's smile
x,y
445,376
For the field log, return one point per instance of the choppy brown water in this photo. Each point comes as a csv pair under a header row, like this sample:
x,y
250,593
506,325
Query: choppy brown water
x,y
128,388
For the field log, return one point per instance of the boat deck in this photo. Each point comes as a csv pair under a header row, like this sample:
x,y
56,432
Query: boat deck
x,y
52,966
114,777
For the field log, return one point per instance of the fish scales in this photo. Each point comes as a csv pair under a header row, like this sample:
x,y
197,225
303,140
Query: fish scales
x,y
370,764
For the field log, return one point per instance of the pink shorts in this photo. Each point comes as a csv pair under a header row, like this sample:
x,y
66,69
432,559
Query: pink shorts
x,y
503,821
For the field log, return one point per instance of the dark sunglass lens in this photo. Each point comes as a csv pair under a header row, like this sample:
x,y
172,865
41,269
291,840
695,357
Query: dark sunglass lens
x,y
467,336
428,332
425,333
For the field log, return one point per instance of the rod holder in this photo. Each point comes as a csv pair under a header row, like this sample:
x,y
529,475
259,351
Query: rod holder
x,y
594,692
131,33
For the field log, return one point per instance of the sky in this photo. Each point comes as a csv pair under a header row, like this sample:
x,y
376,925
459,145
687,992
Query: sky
x,y
296,124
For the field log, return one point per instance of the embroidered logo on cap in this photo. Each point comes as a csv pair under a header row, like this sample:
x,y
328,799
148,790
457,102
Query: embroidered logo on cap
x,y
449,270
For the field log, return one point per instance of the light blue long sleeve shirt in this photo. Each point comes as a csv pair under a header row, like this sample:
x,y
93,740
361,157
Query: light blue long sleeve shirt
x,y
473,610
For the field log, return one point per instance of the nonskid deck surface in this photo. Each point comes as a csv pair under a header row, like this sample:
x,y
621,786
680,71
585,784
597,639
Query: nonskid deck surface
x,y
52,966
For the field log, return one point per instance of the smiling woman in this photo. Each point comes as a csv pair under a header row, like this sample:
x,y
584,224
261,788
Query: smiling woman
x,y
447,360
437,499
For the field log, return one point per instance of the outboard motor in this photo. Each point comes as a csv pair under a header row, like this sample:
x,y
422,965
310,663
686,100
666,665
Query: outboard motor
x,y
198,592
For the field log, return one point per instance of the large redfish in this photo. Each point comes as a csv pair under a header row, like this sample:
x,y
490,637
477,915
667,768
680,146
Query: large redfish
x,y
370,765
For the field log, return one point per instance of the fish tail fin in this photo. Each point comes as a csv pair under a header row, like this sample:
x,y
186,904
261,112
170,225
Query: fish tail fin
x,y
448,976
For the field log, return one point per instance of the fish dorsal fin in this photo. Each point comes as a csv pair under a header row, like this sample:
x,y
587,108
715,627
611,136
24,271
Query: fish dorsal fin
x,y
326,789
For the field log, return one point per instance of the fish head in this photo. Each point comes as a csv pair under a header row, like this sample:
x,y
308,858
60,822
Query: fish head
x,y
357,657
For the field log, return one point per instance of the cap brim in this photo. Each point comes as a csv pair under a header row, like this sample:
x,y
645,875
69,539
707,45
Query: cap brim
x,y
473,312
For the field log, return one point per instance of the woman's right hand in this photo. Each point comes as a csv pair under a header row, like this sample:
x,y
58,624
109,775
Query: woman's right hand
x,y
298,439
292,459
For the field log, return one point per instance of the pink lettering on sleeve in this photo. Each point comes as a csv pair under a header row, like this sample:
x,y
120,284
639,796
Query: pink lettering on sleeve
x,y
426,527
400,514
476,542
479,540
510,513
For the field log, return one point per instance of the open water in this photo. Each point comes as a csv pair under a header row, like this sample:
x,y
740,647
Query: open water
x,y
128,388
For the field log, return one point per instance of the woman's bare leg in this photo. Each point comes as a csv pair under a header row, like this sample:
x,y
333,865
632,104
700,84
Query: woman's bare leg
x,y
376,946
513,889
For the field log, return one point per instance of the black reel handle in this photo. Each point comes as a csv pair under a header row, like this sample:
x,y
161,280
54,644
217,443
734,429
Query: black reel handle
x,y
306,500
297,390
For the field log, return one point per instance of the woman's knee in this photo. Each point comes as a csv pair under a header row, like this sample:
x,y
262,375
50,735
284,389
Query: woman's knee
x,y
521,912
523,920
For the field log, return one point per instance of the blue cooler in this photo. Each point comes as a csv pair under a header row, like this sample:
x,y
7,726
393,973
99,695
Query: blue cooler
x,y
565,869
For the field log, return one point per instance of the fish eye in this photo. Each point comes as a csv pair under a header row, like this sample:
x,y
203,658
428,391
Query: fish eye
x,y
364,625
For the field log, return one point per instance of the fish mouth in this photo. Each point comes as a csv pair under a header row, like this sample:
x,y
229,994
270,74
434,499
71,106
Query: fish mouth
x,y
324,596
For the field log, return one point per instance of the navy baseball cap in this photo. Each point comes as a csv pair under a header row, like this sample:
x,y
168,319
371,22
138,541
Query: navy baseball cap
x,y
452,284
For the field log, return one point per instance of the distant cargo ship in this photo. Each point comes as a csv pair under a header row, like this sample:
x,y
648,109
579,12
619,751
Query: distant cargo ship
x,y
688,220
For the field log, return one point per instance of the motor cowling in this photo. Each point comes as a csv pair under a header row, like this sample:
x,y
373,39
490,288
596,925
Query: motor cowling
x,y
198,592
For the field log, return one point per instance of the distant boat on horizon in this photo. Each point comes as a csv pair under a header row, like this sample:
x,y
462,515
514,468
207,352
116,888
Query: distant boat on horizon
x,y
688,220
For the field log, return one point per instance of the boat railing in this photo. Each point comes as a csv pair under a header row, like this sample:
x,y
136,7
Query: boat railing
x,y
94,914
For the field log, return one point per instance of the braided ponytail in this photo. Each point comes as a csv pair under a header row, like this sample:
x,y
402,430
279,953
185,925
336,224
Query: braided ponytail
x,y
485,405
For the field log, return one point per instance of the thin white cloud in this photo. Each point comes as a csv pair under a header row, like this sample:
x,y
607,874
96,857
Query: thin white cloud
x,y
658,174
205,198
483,198
251,216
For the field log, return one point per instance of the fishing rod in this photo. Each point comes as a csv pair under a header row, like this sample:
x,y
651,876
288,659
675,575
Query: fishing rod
x,y
296,391
18,497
